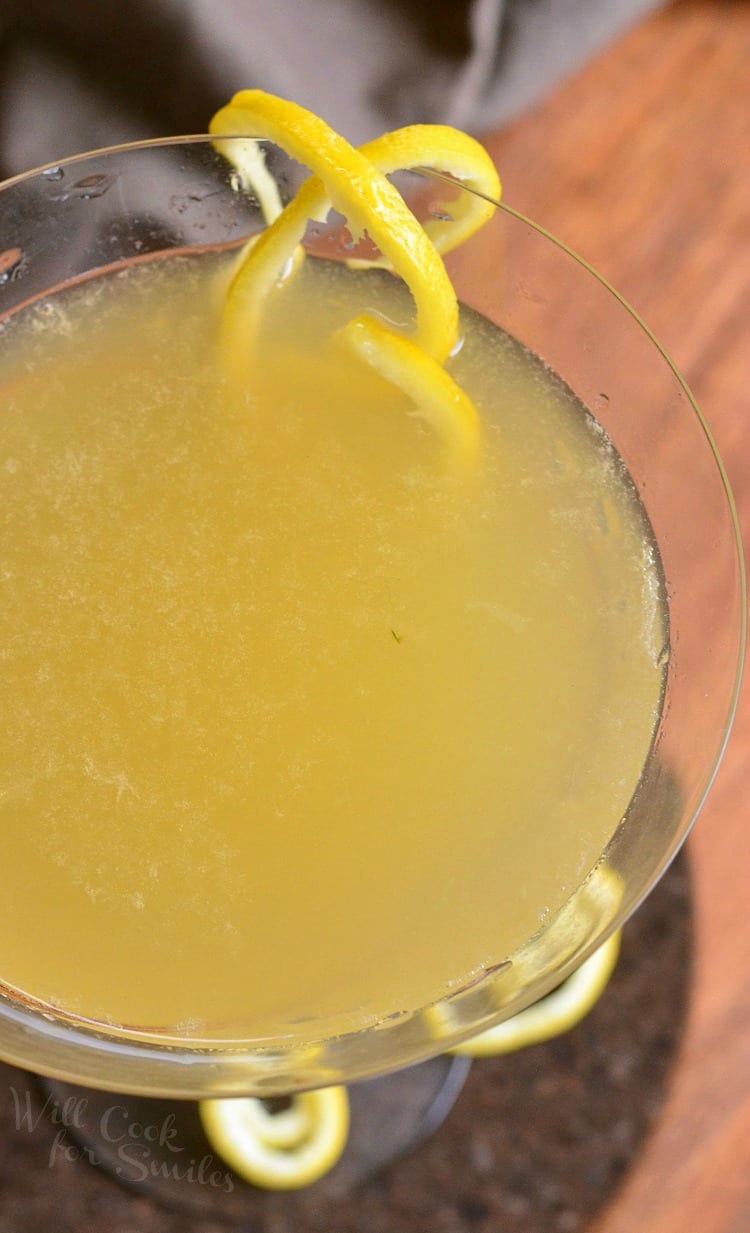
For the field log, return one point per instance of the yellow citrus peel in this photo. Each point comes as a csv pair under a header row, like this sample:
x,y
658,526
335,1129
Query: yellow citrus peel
x,y
436,396
279,1150
354,183
552,1015
253,175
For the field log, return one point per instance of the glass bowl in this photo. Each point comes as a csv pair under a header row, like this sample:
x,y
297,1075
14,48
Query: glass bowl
x,y
97,212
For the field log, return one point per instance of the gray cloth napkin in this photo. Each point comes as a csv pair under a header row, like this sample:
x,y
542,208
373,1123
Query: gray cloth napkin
x,y
78,74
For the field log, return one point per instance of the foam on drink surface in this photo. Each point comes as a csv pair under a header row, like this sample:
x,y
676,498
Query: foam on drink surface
x,y
299,730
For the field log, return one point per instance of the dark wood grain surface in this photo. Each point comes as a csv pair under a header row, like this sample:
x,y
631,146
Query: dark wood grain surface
x,y
642,164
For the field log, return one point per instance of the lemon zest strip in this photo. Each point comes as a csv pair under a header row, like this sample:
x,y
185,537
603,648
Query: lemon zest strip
x,y
248,158
279,1151
441,147
438,399
354,182
357,190
552,1015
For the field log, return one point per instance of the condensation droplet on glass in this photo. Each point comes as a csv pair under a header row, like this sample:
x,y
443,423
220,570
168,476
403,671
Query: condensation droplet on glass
x,y
441,216
95,185
12,265
53,173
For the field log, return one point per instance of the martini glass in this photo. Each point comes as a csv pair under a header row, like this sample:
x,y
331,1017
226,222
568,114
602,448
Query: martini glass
x,y
101,211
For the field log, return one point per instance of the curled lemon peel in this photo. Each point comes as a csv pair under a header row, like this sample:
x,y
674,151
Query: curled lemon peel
x,y
247,156
442,149
581,919
437,398
552,1015
369,202
445,150
283,1150
354,183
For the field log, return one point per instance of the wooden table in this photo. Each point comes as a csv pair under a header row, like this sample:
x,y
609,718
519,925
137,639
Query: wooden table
x,y
642,164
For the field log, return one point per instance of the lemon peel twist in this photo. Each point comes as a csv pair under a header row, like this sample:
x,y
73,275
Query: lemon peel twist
x,y
554,1014
279,1151
354,183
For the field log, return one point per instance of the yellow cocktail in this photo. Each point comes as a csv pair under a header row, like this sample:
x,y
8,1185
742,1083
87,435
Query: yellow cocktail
x,y
303,728
306,729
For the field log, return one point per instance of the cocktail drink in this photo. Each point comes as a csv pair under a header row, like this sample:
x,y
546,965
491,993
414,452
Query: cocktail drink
x,y
290,677
324,748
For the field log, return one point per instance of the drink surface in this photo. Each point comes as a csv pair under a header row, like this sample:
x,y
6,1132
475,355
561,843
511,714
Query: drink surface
x,y
300,727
